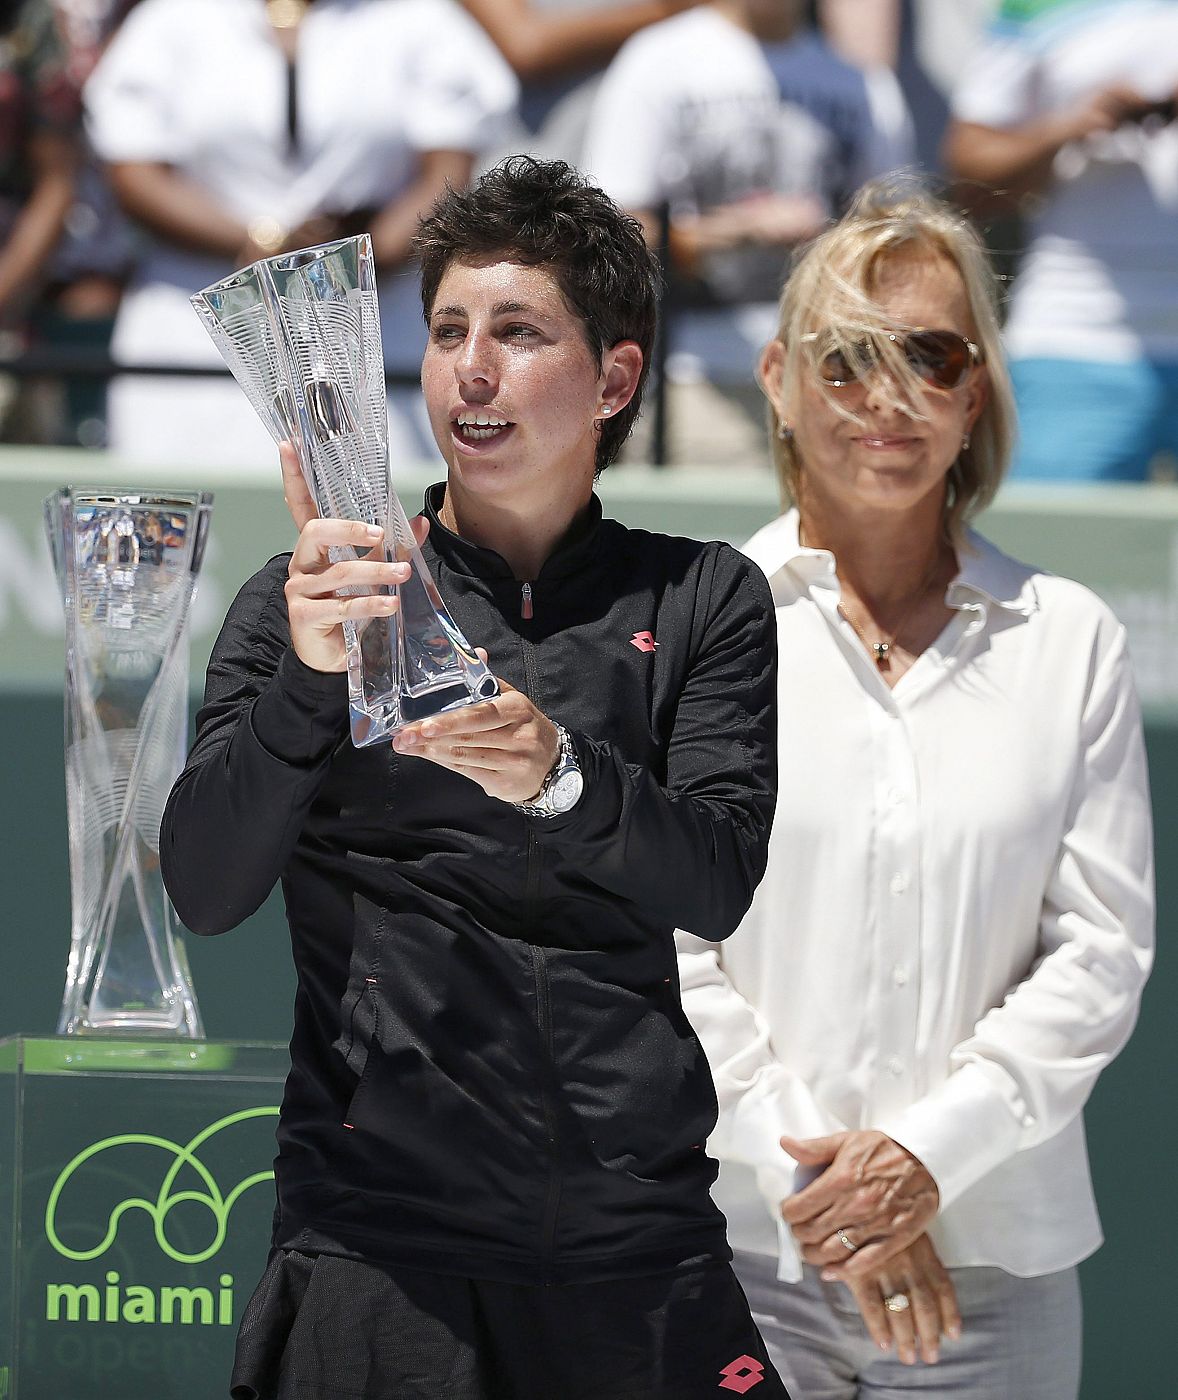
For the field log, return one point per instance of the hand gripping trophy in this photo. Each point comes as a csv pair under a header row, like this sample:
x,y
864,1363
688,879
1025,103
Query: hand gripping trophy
x,y
127,565
301,334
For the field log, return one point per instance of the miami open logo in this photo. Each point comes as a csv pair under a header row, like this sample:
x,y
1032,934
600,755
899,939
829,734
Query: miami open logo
x,y
188,1189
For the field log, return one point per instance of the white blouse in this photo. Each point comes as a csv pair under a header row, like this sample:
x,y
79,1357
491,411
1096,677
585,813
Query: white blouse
x,y
957,920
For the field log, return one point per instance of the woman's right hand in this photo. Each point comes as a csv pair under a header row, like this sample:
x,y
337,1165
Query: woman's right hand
x,y
315,609
915,1273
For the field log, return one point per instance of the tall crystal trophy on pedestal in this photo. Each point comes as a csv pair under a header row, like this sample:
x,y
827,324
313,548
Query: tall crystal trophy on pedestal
x,y
301,333
127,563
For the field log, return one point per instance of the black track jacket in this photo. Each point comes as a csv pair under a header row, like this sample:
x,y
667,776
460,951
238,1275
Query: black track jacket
x,y
491,1071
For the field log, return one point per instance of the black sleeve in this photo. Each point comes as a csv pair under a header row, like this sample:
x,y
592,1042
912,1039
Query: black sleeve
x,y
694,851
264,740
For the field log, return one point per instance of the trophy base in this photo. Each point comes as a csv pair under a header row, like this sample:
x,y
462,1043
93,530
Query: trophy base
x,y
171,1024
379,721
126,1030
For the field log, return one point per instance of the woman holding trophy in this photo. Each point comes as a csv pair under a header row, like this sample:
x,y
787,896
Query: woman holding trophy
x,y
491,1177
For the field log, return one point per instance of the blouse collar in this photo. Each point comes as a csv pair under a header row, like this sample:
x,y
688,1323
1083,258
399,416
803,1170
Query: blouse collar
x,y
985,576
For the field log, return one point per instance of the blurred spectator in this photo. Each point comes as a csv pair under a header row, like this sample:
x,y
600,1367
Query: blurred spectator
x,y
558,49
740,121
1070,106
236,130
926,42
96,252
38,158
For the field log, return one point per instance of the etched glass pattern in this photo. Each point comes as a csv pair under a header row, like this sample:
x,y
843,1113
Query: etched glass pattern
x,y
301,333
127,564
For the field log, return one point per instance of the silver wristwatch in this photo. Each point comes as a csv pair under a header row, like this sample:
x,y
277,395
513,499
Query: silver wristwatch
x,y
561,789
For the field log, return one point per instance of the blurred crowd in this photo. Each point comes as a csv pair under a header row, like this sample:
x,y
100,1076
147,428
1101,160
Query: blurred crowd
x,y
148,147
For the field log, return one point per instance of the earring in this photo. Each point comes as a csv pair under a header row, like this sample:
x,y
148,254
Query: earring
x,y
785,432
965,443
606,410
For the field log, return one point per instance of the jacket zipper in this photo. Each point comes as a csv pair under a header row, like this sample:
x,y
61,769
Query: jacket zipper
x,y
544,1025
543,990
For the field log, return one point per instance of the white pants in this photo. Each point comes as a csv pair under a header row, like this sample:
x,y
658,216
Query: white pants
x,y
1020,1338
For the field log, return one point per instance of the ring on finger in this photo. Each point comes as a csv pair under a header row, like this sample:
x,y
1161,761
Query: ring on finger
x,y
846,1241
897,1302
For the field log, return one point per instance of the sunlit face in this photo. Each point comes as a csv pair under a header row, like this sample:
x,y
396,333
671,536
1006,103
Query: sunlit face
x,y
892,457
513,391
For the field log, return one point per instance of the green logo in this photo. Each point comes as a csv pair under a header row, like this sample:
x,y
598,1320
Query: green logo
x,y
180,1156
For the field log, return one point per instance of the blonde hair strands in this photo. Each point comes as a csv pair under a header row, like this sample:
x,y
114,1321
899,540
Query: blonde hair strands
x,y
828,298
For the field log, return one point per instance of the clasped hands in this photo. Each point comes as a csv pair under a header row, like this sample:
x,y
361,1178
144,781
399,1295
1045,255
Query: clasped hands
x,y
862,1221
505,745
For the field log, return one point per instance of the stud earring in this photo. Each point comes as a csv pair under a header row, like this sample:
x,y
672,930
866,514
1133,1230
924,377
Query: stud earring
x,y
785,432
606,410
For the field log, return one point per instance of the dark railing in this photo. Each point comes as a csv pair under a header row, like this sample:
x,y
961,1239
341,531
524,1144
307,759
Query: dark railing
x,y
658,368
62,363
42,362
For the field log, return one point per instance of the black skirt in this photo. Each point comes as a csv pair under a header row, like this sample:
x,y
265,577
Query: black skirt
x,y
324,1327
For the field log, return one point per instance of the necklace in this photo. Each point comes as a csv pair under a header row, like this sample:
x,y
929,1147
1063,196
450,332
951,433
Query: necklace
x,y
881,650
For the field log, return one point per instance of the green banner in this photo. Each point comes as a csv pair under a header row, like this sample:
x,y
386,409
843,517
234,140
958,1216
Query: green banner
x,y
143,1191
1120,540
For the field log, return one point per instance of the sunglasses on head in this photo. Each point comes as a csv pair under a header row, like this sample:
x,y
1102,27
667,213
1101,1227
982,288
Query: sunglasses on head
x,y
943,359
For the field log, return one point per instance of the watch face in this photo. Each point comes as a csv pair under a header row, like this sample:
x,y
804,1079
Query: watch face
x,y
566,790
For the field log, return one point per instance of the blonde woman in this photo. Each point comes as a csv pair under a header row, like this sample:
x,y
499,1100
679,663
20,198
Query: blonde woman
x,y
957,919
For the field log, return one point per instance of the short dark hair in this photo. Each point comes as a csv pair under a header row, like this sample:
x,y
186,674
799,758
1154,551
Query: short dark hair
x,y
543,213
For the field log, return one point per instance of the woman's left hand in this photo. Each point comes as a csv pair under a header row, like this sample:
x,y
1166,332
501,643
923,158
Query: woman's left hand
x,y
872,1200
910,1304
506,745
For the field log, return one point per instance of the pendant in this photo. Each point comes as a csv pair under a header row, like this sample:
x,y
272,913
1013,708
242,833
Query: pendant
x,y
881,650
286,14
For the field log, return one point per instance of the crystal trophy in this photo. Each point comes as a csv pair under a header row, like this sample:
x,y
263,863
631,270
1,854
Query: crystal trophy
x,y
127,564
301,333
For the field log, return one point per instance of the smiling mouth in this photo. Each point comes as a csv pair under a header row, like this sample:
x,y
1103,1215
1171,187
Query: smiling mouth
x,y
479,426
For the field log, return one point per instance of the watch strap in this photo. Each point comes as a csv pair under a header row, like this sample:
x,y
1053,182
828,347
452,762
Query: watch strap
x,y
566,762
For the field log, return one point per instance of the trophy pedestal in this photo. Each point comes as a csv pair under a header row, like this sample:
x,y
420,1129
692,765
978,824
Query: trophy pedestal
x,y
140,1195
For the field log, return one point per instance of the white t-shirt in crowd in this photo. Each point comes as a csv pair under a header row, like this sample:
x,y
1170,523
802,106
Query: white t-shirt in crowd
x,y
1099,278
946,36
956,922
691,113
204,88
